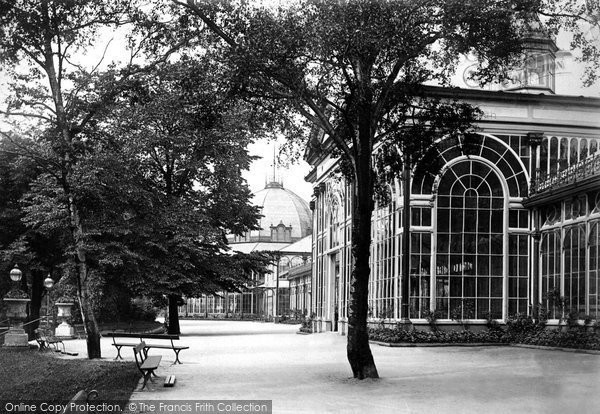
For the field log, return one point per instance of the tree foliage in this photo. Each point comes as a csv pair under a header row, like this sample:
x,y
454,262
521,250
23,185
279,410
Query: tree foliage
x,y
355,70
139,162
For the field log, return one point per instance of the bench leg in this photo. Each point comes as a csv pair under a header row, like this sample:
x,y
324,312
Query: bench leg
x,y
118,352
177,361
146,376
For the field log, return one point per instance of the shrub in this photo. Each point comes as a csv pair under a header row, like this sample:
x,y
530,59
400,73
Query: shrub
x,y
520,324
307,323
398,335
432,318
142,309
520,329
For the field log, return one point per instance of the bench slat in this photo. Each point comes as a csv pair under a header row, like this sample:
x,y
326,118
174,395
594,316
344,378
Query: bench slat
x,y
151,362
141,337
167,346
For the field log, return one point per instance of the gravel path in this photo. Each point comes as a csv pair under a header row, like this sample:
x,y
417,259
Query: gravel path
x,y
310,374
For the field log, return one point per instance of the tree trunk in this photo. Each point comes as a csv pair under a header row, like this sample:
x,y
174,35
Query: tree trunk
x,y
84,293
173,315
89,322
358,350
37,289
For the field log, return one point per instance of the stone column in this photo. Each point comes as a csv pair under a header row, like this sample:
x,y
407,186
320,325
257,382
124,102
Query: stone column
x,y
535,139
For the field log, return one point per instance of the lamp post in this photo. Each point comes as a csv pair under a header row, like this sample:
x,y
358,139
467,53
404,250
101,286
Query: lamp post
x,y
276,301
16,305
48,284
16,275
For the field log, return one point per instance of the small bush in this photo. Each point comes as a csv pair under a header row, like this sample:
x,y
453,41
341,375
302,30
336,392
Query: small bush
x,y
520,329
142,309
307,323
520,324
397,335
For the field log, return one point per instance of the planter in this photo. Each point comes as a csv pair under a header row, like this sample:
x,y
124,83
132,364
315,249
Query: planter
x,y
16,308
64,330
16,311
64,309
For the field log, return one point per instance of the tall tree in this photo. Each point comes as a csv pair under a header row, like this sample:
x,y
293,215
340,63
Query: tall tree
x,y
37,253
355,70
39,46
189,135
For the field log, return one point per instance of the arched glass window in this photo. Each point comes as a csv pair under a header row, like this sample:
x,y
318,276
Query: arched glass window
x,y
544,157
594,270
573,151
575,268
383,264
470,234
420,274
334,225
550,271
583,149
564,149
494,149
553,159
593,146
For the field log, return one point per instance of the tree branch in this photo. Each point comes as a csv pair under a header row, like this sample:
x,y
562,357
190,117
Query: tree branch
x,y
191,4
24,114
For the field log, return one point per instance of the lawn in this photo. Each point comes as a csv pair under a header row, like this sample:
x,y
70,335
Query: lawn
x,y
32,375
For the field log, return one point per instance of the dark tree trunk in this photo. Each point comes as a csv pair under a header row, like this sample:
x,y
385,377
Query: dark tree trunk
x,y
37,289
91,327
173,315
358,350
84,294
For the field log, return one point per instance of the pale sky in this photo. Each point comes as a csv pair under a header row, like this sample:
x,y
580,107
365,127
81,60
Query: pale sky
x,y
261,171
567,83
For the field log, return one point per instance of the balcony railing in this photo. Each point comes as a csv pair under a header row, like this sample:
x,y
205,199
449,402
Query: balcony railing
x,y
583,170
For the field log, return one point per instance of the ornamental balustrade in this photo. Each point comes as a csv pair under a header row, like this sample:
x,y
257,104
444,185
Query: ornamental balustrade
x,y
581,171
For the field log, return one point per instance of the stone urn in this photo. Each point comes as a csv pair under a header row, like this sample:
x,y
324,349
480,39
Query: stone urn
x,y
64,330
16,310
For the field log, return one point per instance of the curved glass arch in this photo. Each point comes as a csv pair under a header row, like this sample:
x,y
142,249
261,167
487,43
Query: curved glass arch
x,y
485,146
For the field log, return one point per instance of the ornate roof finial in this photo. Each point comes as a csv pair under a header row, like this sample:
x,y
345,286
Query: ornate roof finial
x,y
273,182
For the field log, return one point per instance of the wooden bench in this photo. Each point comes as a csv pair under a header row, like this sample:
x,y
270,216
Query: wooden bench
x,y
176,348
146,364
142,337
119,344
46,341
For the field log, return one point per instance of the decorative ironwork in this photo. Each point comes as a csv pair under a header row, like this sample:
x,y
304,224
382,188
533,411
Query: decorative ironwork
x,y
583,170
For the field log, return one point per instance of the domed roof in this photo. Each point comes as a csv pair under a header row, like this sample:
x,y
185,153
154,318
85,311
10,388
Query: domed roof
x,y
281,207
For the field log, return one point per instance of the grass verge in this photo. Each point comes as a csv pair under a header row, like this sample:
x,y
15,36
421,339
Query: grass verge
x,y
31,375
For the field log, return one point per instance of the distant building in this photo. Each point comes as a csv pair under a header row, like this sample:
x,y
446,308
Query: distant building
x,y
507,226
285,232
